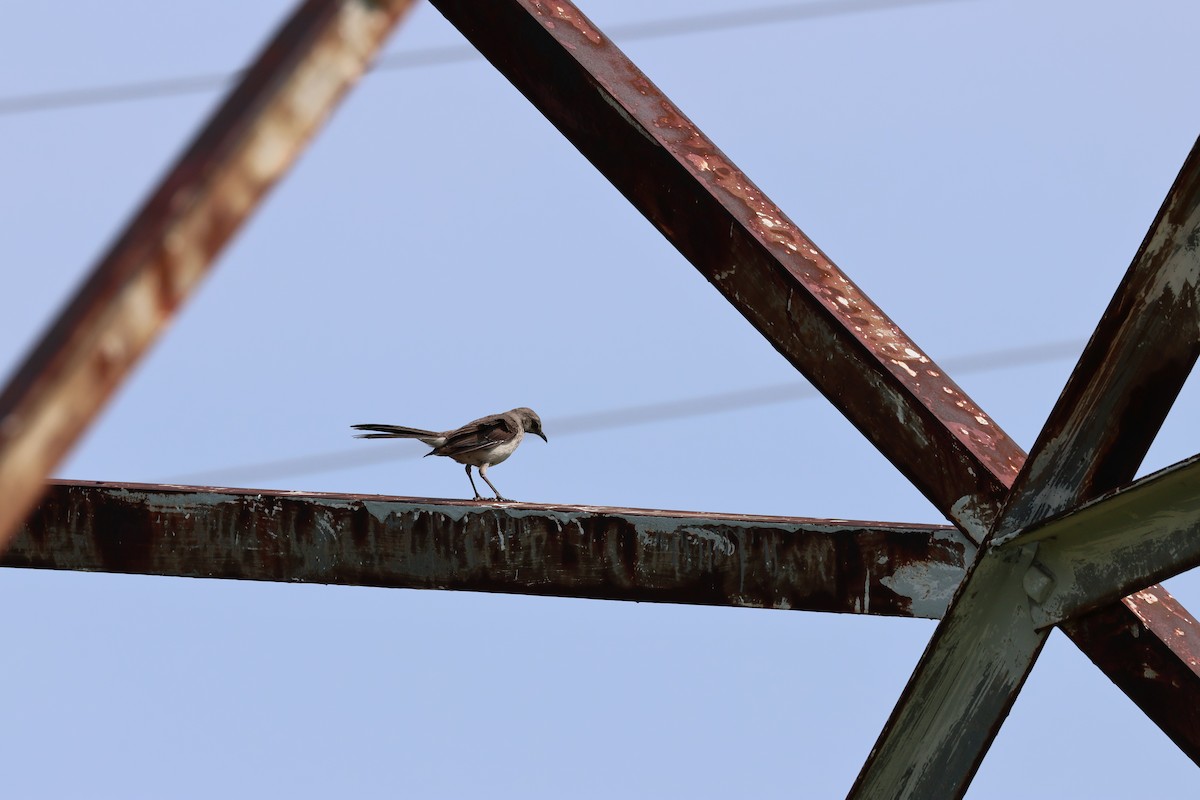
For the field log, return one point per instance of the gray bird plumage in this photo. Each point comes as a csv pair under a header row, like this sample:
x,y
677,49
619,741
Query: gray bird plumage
x,y
480,443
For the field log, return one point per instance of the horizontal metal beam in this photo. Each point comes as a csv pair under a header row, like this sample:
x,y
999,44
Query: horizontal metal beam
x,y
1114,545
568,551
246,147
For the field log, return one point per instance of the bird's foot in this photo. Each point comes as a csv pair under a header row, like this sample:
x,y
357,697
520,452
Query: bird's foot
x,y
504,499
478,496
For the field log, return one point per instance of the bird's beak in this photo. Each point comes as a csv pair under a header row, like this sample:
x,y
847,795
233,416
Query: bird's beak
x,y
544,439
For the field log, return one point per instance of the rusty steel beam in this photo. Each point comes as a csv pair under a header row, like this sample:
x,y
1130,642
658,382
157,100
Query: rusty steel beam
x,y
781,282
1094,440
748,248
1163,680
246,147
568,551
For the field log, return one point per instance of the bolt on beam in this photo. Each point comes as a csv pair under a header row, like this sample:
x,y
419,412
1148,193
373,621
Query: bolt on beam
x,y
1115,545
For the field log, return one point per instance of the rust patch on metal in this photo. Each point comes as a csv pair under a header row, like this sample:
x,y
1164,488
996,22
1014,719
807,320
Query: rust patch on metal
x,y
1149,661
573,551
561,12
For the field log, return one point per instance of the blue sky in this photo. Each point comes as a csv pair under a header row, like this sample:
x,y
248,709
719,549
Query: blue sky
x,y
983,169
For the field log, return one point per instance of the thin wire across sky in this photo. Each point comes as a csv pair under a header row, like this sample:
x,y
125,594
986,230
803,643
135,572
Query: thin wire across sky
x,y
625,417
587,422
434,56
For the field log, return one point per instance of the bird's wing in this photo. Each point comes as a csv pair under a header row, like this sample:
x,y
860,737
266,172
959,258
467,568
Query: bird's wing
x,y
478,435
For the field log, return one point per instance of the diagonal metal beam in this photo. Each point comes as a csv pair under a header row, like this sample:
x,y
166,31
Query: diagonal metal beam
x,y
1129,374
1101,427
246,147
567,551
1143,350
809,311
1167,660
973,667
989,639
1117,544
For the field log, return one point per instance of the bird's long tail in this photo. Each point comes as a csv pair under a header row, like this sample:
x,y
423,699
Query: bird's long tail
x,y
393,432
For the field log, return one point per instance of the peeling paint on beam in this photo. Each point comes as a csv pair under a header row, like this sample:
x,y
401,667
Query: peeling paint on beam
x,y
1028,582
246,147
964,687
1096,437
571,551
810,311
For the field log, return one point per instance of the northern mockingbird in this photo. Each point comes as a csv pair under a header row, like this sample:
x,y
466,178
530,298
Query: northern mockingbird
x,y
482,443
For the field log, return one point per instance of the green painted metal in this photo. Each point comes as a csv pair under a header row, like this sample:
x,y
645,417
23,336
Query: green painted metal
x,y
1115,545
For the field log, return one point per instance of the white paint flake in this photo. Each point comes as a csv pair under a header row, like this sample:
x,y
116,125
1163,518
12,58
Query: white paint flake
x,y
928,586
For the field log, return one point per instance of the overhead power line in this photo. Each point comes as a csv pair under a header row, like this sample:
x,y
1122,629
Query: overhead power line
x,y
434,56
628,416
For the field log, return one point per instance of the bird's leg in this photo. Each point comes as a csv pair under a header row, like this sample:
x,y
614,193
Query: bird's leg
x,y
483,474
478,496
